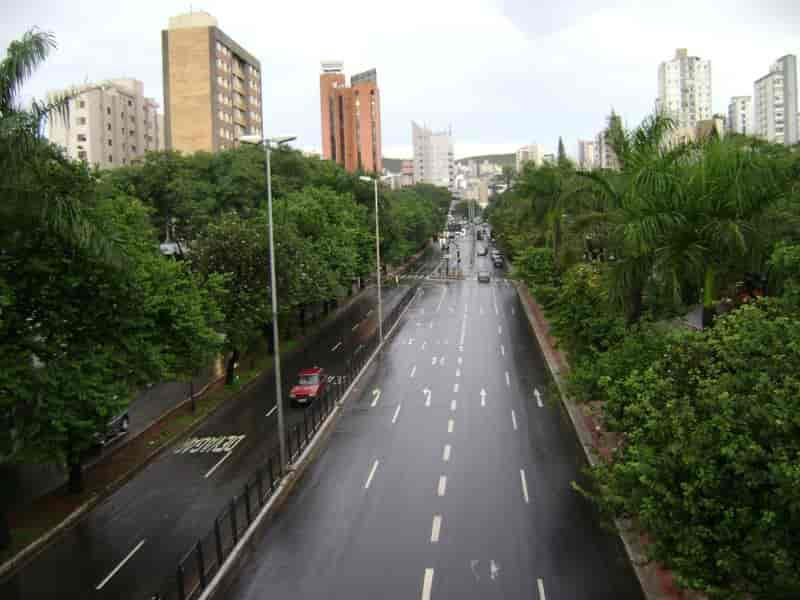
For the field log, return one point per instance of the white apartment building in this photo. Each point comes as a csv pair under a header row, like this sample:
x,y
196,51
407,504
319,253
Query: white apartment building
x,y
775,103
740,115
110,124
531,153
684,89
433,156
604,156
586,154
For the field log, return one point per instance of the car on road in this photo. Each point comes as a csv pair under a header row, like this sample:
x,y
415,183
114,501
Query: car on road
x,y
497,262
482,251
310,385
484,277
115,428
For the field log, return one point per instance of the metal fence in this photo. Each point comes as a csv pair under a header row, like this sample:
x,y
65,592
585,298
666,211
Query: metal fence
x,y
199,565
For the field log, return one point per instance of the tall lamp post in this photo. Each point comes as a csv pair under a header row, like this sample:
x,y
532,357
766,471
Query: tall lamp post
x,y
267,143
377,255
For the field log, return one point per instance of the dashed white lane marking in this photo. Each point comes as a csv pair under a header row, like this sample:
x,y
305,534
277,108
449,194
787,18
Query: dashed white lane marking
x,y
455,387
427,584
458,372
436,528
441,360
460,360
540,585
524,485
480,309
272,410
508,379
514,419
431,325
371,474
355,326
336,347
369,312
433,360
444,293
396,412
413,370
500,329
376,394
446,453
538,397
453,405
216,466
450,425
442,488
502,350
423,345
483,397
120,565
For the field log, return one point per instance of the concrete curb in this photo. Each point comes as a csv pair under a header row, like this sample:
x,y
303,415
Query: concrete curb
x,y
220,580
645,572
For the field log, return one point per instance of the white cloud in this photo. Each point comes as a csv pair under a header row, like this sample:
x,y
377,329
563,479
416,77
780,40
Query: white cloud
x,y
501,72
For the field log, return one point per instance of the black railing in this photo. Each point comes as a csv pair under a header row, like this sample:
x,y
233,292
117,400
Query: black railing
x,y
199,565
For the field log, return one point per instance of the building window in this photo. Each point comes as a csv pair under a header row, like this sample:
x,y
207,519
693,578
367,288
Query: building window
x,y
108,126
110,158
109,142
81,104
130,103
81,154
81,137
81,120
108,110
133,148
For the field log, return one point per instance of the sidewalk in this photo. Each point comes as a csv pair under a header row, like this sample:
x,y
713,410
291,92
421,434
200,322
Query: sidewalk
x,y
656,581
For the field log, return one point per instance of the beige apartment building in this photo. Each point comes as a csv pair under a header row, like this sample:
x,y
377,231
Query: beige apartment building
x,y
110,124
212,86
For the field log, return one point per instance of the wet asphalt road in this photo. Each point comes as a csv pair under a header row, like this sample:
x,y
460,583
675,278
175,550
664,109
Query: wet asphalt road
x,y
155,518
442,491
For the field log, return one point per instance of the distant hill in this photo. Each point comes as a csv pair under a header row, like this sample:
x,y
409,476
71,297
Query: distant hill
x,y
503,160
393,165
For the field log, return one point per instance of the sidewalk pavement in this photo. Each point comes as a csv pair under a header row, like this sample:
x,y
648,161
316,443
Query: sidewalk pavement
x,y
657,582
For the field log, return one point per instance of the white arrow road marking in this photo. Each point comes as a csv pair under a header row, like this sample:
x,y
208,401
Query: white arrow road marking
x,y
460,360
538,397
272,410
427,584
446,453
371,474
455,387
453,405
376,393
461,348
440,491
396,412
450,425
336,347
427,393
494,569
514,419
508,380
436,528
483,397
540,585
458,372
502,350
413,370
433,360
120,565
524,485
410,341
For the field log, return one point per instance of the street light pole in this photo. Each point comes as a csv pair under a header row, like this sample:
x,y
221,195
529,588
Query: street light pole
x,y
377,255
252,139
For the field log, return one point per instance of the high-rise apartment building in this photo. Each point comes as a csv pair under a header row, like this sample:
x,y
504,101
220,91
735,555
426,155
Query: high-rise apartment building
x,y
740,115
775,103
684,89
434,161
586,154
212,86
110,124
351,118
604,155
532,153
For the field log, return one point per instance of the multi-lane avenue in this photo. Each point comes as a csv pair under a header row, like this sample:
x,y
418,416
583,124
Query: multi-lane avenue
x,y
455,483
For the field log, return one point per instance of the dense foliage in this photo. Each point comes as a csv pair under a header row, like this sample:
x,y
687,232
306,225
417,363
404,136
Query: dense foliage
x,y
707,420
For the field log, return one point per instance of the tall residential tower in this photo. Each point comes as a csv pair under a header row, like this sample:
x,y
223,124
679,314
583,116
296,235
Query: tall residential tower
x,y
740,115
684,89
433,156
351,118
212,86
775,103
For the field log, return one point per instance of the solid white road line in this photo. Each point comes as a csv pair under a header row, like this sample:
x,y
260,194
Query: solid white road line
x,y
524,485
446,453
444,293
427,584
502,350
442,488
396,412
455,387
272,410
120,565
540,585
371,474
413,370
450,425
436,528
355,326
458,372
514,419
337,346
453,405
508,380
216,466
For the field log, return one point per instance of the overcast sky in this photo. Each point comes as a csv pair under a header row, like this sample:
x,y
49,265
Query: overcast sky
x,y
502,72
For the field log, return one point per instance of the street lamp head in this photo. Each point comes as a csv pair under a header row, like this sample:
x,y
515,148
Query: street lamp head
x,y
251,139
282,139
365,178
257,139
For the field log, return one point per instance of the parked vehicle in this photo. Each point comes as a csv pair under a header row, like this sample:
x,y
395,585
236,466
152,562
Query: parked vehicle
x,y
484,277
482,251
115,428
310,385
